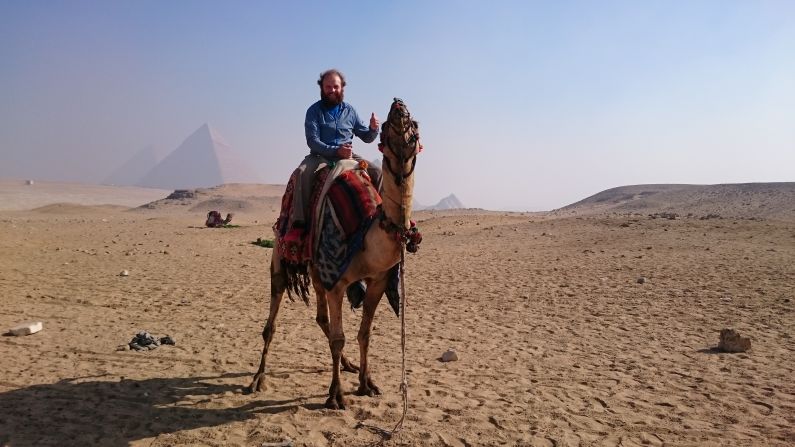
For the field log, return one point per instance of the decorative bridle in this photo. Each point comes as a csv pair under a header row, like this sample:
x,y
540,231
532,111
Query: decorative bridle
x,y
409,136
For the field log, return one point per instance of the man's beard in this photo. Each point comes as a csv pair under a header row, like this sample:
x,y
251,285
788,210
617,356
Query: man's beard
x,y
332,99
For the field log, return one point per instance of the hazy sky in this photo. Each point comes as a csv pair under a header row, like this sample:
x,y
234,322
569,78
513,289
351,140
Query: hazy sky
x,y
523,105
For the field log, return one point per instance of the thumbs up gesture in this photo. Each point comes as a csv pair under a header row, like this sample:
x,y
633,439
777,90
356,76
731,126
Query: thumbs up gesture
x,y
373,122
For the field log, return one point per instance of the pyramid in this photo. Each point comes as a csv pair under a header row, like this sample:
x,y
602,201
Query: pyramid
x,y
133,170
448,203
203,160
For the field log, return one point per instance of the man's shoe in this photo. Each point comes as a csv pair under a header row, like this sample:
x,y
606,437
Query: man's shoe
x,y
356,292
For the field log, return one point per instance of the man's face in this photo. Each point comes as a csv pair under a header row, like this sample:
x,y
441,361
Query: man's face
x,y
331,90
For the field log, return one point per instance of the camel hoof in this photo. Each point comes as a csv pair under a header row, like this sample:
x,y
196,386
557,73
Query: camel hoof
x,y
347,366
257,385
366,392
333,403
369,389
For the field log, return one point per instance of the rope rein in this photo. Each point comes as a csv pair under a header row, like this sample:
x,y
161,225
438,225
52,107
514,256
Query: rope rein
x,y
404,383
408,238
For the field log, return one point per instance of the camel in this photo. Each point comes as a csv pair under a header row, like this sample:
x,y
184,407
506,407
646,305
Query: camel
x,y
214,219
383,248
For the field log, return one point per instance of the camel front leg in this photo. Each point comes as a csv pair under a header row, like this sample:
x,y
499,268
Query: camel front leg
x,y
278,287
335,399
375,291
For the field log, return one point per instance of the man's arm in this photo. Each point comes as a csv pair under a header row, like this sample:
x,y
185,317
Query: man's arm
x,y
312,131
361,130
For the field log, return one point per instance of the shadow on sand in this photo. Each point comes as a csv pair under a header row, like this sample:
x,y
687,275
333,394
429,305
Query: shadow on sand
x,y
92,411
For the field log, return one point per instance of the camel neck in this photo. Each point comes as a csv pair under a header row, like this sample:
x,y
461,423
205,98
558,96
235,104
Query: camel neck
x,y
397,199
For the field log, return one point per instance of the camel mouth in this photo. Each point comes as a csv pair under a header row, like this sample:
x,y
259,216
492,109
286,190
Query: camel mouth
x,y
398,111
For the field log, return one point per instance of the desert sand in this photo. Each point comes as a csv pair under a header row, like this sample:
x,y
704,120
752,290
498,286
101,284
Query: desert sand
x,y
559,343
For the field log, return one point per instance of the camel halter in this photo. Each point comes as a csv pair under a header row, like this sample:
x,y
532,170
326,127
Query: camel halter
x,y
411,140
409,237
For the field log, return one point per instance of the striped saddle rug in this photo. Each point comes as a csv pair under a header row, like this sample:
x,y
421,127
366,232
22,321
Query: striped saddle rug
x,y
345,203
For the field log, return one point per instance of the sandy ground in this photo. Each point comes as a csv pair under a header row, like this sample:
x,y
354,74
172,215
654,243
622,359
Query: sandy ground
x,y
559,344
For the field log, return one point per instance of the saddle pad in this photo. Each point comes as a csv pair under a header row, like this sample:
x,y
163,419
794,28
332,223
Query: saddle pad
x,y
352,201
349,208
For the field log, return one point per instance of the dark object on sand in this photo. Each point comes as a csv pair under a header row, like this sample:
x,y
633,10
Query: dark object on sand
x,y
145,341
731,341
267,243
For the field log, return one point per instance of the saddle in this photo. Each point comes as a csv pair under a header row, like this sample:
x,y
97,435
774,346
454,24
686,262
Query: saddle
x,y
344,204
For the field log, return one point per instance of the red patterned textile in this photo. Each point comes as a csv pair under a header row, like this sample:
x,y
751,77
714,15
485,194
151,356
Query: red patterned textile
x,y
295,244
354,200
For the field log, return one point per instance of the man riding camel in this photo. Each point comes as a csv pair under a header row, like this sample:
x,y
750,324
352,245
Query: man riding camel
x,y
330,126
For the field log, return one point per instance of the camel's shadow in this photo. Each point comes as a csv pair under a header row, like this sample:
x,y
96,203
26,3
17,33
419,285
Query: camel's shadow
x,y
93,411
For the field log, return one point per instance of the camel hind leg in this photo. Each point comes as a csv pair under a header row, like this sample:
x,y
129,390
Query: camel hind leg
x,y
278,287
323,321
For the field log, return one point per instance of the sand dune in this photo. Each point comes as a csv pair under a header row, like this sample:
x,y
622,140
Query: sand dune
x,y
249,200
559,343
71,208
765,200
17,195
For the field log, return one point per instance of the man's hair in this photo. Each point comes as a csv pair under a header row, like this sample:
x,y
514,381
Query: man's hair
x,y
332,71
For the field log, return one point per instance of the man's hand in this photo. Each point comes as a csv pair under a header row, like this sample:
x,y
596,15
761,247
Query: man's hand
x,y
373,122
345,151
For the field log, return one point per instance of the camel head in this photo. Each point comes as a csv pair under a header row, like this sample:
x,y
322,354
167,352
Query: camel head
x,y
400,144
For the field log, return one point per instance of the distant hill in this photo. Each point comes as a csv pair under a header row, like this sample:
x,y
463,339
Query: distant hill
x,y
765,200
228,198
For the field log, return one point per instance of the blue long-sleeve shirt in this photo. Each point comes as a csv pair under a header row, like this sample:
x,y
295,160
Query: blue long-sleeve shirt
x,y
326,130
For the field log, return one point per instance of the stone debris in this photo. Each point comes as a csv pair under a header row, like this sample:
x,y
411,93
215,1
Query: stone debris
x,y
664,215
180,194
144,341
124,273
642,280
286,443
28,328
450,356
731,341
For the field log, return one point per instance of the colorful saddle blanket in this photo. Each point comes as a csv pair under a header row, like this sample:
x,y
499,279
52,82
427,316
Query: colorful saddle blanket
x,y
344,204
